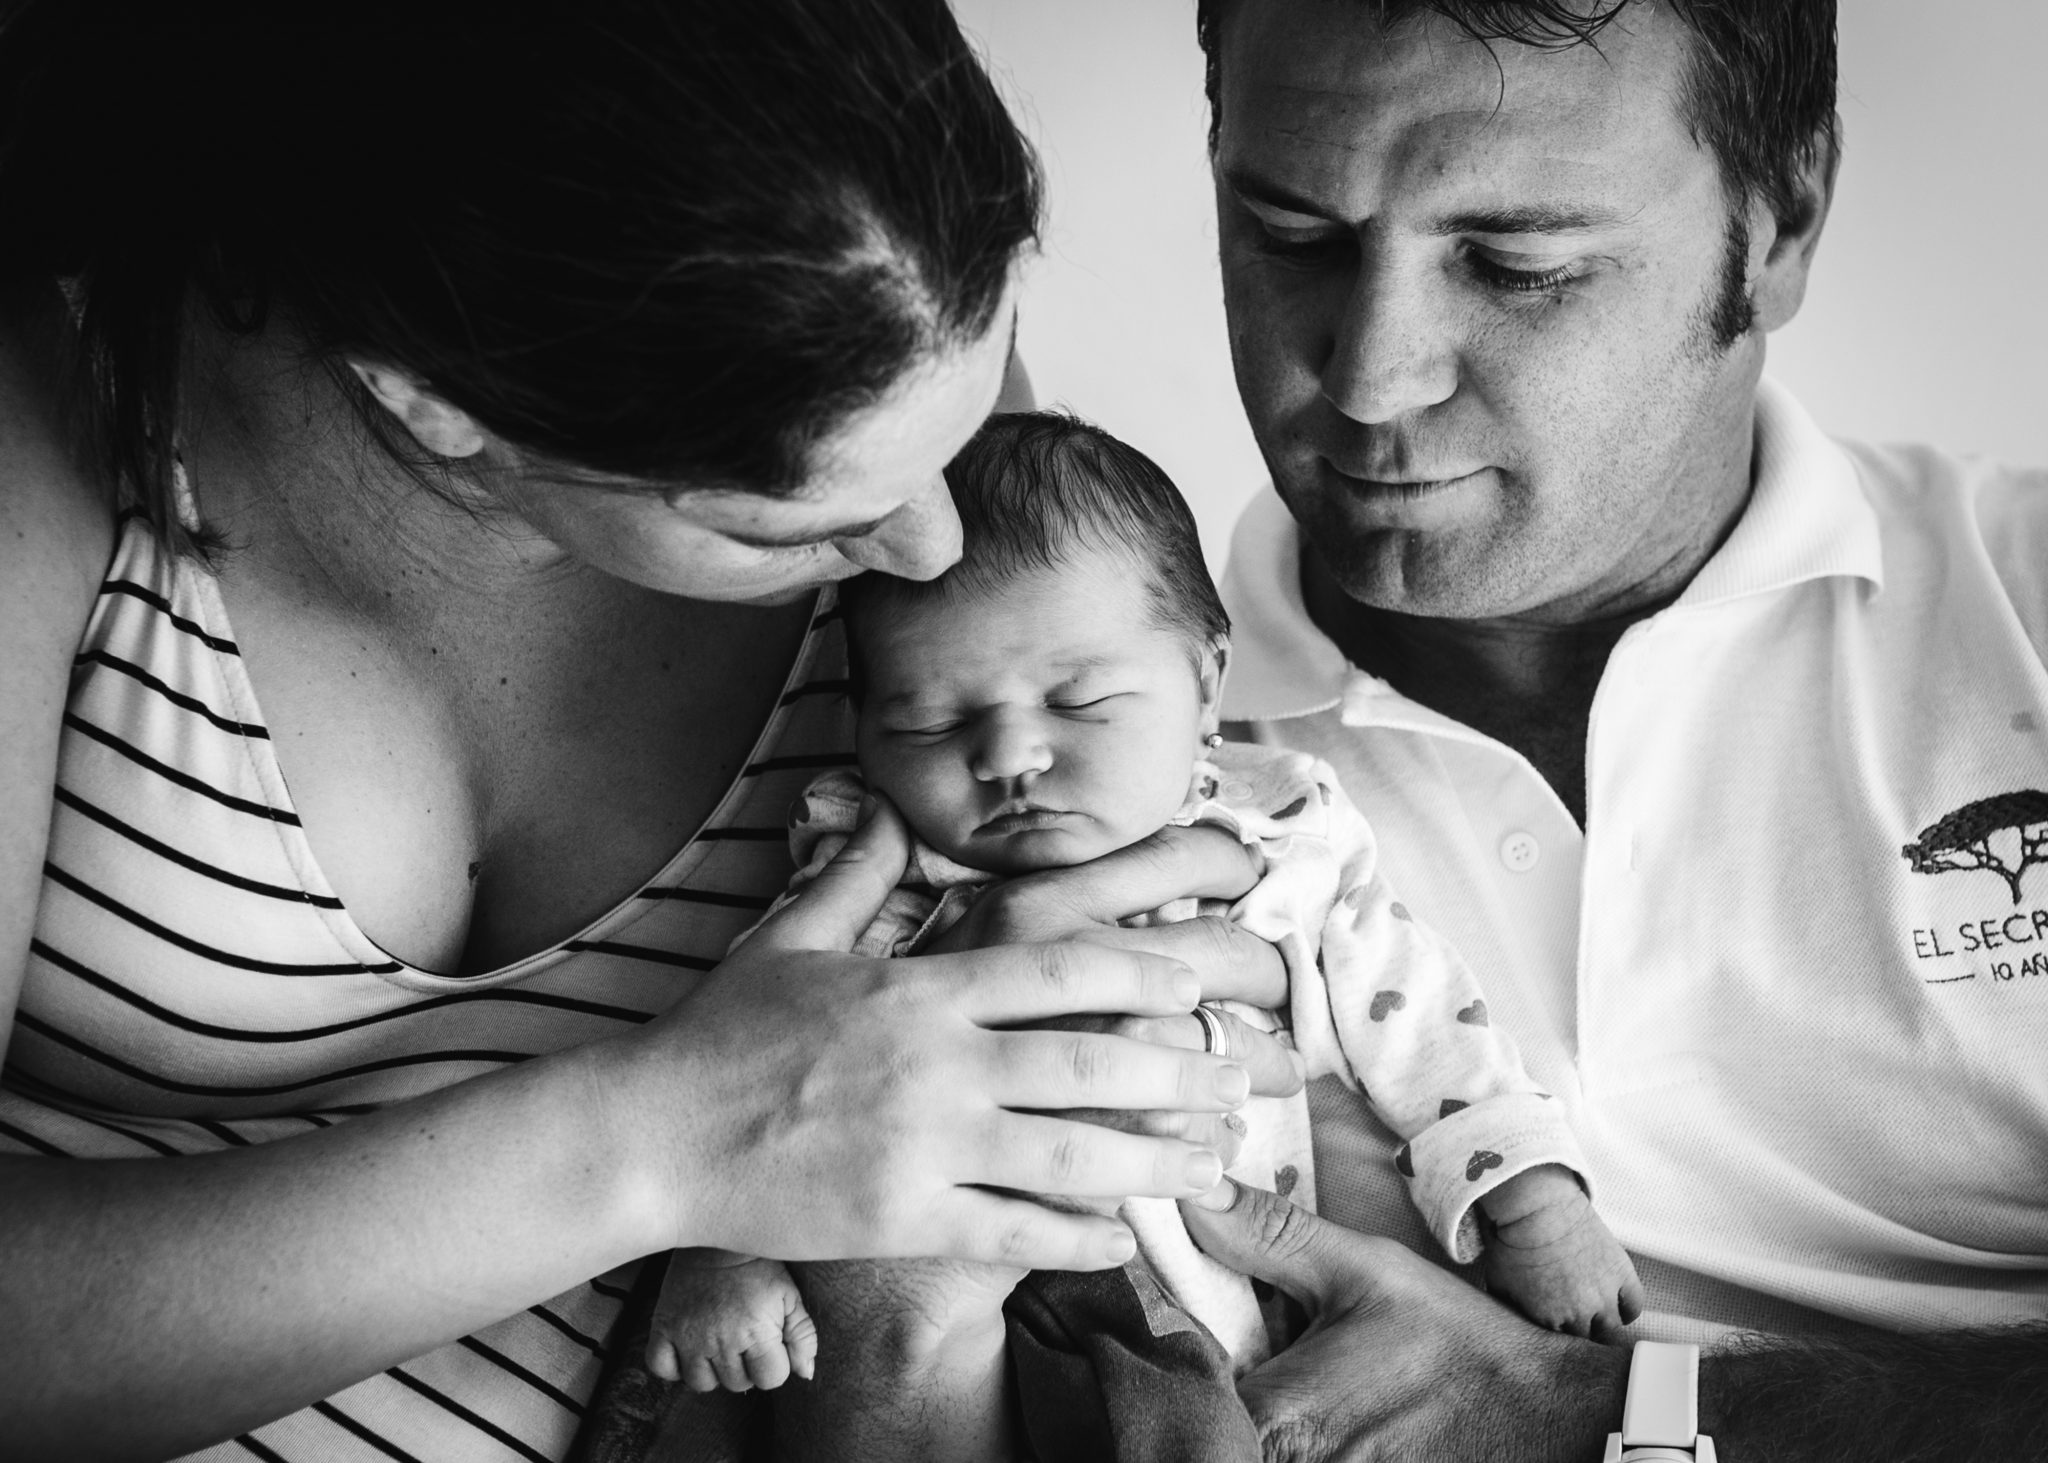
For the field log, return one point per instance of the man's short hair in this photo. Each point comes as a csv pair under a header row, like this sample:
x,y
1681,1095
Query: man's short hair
x,y
1760,93
1035,488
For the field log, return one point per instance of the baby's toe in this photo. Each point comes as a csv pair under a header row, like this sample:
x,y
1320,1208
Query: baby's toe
x,y
767,1365
661,1359
698,1375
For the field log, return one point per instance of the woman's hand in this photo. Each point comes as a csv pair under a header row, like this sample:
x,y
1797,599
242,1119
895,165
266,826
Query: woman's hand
x,y
1085,902
804,1103
1453,1373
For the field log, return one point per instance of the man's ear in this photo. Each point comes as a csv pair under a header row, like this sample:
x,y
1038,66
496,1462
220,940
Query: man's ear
x,y
1781,250
444,430
1215,665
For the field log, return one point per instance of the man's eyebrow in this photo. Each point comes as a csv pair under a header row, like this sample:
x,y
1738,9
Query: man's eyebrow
x,y
1255,189
1531,218
1524,218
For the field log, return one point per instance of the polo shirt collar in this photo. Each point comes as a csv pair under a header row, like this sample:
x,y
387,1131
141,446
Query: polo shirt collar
x,y
1807,518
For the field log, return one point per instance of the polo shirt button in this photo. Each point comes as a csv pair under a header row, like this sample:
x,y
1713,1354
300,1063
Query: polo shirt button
x,y
1238,792
1519,851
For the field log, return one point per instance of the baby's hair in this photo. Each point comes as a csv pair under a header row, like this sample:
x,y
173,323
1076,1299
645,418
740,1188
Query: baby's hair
x,y
1032,489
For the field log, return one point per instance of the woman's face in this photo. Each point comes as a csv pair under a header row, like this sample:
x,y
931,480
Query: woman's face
x,y
876,498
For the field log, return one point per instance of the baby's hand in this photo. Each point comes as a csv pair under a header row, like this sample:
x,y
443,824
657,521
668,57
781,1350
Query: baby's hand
x,y
1553,1258
731,1321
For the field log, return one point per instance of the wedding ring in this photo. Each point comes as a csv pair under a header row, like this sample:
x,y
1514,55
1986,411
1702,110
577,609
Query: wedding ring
x,y
1215,1034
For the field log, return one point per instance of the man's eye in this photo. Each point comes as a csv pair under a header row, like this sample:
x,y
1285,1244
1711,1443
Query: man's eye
x,y
1323,248
1096,704
1521,281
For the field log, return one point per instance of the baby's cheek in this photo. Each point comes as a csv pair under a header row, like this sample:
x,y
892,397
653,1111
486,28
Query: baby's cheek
x,y
930,792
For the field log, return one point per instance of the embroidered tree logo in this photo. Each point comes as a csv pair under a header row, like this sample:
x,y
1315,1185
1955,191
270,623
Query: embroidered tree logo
x,y
2007,834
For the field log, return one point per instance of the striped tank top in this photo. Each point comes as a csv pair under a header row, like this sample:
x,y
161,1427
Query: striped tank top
x,y
194,984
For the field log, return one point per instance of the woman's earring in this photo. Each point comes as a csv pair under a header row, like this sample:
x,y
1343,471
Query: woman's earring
x,y
1213,740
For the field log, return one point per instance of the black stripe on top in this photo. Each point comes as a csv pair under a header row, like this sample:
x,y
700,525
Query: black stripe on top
x,y
313,1033
744,835
268,1455
480,1423
382,1444
44,1029
539,1384
171,694
136,836
185,780
30,1140
641,952
71,1106
163,606
169,936
710,896
589,1343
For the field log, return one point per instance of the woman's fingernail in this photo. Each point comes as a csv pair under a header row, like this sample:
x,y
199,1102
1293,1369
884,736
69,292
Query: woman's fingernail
x,y
1203,1171
1233,1084
1219,1198
867,810
1300,1063
1187,988
1122,1245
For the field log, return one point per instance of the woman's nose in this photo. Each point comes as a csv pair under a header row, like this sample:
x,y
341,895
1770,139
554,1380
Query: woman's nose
x,y
1010,746
920,540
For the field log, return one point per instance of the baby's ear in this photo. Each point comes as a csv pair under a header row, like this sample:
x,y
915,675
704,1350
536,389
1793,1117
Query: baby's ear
x,y
1215,665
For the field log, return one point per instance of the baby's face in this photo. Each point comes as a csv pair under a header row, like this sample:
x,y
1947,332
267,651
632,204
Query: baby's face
x,y
1039,726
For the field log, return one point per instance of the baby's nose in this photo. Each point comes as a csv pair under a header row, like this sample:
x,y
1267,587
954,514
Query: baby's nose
x,y
1011,746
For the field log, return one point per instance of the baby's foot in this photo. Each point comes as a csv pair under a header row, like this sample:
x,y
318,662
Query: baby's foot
x,y
731,1321
1551,1256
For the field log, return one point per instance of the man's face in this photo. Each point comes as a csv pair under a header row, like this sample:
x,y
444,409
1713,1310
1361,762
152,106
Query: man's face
x,y
1471,297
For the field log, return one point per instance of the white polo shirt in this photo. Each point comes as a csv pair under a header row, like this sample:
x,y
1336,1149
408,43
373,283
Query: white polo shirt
x,y
1792,980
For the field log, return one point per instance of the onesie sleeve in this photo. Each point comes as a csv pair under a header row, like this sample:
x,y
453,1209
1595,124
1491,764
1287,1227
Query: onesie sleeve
x,y
820,821
1392,1010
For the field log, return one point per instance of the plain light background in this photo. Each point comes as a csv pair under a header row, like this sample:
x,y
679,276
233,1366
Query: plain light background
x,y
1926,319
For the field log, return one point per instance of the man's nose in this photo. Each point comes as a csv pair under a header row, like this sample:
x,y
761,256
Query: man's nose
x,y
920,540
1011,743
1393,352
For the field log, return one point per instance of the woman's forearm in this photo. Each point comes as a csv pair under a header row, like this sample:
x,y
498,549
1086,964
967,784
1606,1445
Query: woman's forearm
x,y
213,1293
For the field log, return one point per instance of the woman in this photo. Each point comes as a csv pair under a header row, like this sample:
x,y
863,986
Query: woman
x,y
410,651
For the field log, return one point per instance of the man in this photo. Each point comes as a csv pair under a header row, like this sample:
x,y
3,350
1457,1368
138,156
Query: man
x,y
1717,747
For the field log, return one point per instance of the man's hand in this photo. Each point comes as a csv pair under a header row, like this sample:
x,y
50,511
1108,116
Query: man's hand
x,y
1402,1360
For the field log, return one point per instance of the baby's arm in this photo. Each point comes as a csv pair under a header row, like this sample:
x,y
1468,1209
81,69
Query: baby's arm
x,y
732,1321
1400,1013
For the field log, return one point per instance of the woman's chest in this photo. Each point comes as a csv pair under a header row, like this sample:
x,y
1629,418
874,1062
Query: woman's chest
x,y
482,791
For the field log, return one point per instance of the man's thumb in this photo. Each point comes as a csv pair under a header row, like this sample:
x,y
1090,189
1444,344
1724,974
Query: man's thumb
x,y
832,911
1259,1233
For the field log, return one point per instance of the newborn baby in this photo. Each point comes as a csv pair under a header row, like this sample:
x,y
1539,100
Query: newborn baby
x,y
1052,698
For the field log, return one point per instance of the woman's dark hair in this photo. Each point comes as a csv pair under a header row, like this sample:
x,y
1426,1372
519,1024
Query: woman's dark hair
x,y
1760,95
665,240
1033,489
